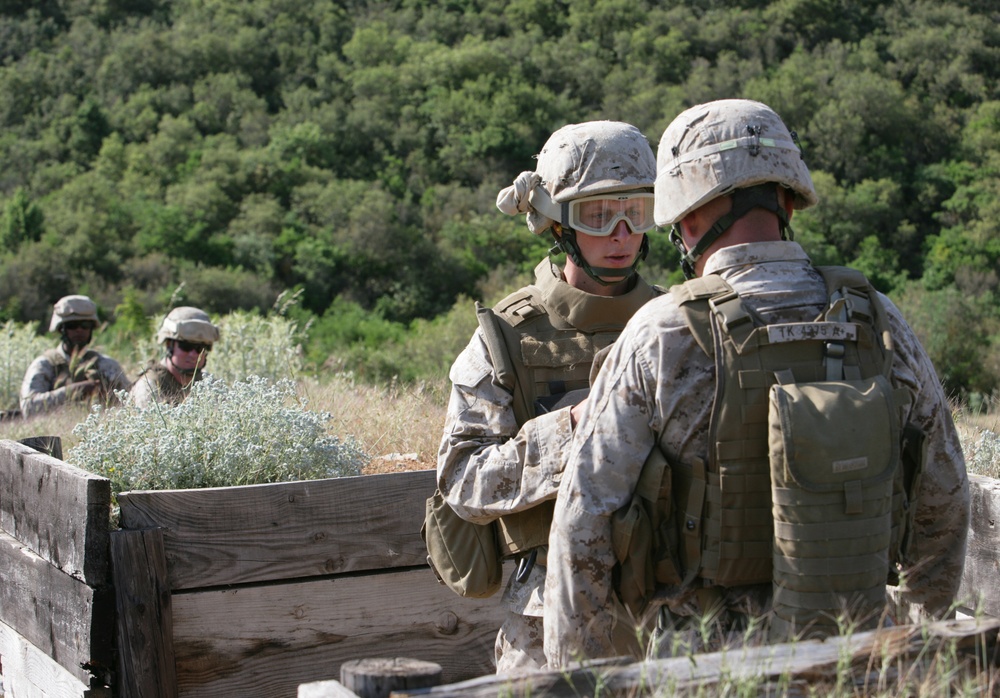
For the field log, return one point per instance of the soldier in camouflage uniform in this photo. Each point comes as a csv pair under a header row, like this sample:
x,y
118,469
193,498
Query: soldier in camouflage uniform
x,y
656,387
187,335
504,446
71,372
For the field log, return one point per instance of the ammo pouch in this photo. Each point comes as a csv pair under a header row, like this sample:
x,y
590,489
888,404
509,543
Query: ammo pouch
x,y
644,537
464,555
834,452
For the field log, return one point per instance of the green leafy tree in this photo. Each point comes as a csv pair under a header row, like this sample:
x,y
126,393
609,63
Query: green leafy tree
x,y
22,221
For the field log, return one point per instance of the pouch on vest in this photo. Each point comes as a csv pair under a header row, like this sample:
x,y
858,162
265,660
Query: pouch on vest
x,y
463,555
834,455
643,537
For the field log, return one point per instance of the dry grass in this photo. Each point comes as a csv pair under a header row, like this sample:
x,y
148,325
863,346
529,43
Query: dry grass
x,y
399,425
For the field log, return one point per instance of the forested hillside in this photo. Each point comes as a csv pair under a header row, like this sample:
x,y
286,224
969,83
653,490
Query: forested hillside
x,y
221,152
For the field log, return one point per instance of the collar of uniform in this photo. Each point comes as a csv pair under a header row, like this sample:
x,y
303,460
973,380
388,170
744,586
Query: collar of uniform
x,y
751,253
585,311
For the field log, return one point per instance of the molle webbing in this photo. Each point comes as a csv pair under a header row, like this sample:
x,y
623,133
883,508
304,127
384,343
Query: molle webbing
x,y
539,357
735,535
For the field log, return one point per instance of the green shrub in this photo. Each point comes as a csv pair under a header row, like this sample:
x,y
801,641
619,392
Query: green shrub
x,y
255,345
19,345
249,345
223,435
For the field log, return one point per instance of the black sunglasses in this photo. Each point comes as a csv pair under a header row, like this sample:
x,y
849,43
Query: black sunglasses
x,y
78,324
194,346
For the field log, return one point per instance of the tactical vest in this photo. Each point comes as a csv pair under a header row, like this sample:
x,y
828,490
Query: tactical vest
x,y
79,368
165,387
758,510
542,341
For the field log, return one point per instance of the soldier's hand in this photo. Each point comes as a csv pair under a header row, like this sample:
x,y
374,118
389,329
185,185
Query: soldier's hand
x,y
575,412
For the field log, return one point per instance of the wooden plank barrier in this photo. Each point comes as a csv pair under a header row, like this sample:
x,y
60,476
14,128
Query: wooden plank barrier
x,y
56,602
870,662
253,590
270,586
980,590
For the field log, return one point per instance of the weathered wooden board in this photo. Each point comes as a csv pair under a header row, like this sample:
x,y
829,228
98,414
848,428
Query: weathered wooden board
x,y
236,535
56,510
981,577
58,614
145,621
266,640
814,661
325,689
28,672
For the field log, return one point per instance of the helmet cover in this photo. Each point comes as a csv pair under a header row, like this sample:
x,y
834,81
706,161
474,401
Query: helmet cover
x,y
187,324
579,160
72,308
712,149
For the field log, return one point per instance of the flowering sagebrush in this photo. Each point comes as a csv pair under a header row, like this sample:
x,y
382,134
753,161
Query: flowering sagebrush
x,y
982,452
250,432
19,345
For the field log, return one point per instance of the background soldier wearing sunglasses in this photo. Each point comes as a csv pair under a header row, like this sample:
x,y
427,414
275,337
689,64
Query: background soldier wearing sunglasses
x,y
71,372
510,419
187,335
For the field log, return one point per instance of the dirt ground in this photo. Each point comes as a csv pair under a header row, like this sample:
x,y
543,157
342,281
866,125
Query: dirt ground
x,y
398,463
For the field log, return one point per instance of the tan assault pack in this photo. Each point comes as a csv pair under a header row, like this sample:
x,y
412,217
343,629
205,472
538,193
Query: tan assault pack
x,y
804,487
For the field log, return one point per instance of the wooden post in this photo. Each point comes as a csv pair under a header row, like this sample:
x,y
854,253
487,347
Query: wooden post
x,y
145,620
377,678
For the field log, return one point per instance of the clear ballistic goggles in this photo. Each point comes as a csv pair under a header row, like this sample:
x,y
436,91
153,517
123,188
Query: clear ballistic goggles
x,y
599,215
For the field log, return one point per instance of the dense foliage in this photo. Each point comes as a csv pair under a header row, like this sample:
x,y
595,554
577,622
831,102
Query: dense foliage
x,y
250,432
354,149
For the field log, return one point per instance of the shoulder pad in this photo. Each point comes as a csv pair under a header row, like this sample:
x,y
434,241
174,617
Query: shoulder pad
x,y
520,306
469,369
702,287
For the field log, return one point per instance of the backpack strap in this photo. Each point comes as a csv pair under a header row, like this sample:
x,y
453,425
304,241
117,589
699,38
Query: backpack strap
x,y
692,298
861,303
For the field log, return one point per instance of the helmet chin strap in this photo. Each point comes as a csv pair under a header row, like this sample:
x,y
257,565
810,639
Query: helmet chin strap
x,y
744,200
567,243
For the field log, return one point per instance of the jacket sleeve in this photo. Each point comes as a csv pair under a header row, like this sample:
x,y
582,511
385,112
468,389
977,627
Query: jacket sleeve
x,y
941,523
612,440
487,465
113,374
37,394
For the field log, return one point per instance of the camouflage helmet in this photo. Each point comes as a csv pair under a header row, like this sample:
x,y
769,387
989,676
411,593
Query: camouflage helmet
x,y
579,160
72,308
713,149
187,324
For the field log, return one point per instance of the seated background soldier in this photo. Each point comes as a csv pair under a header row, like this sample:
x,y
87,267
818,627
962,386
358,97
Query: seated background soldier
x,y
71,372
187,335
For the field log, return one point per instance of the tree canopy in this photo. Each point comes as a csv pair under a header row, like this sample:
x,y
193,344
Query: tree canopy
x,y
224,152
